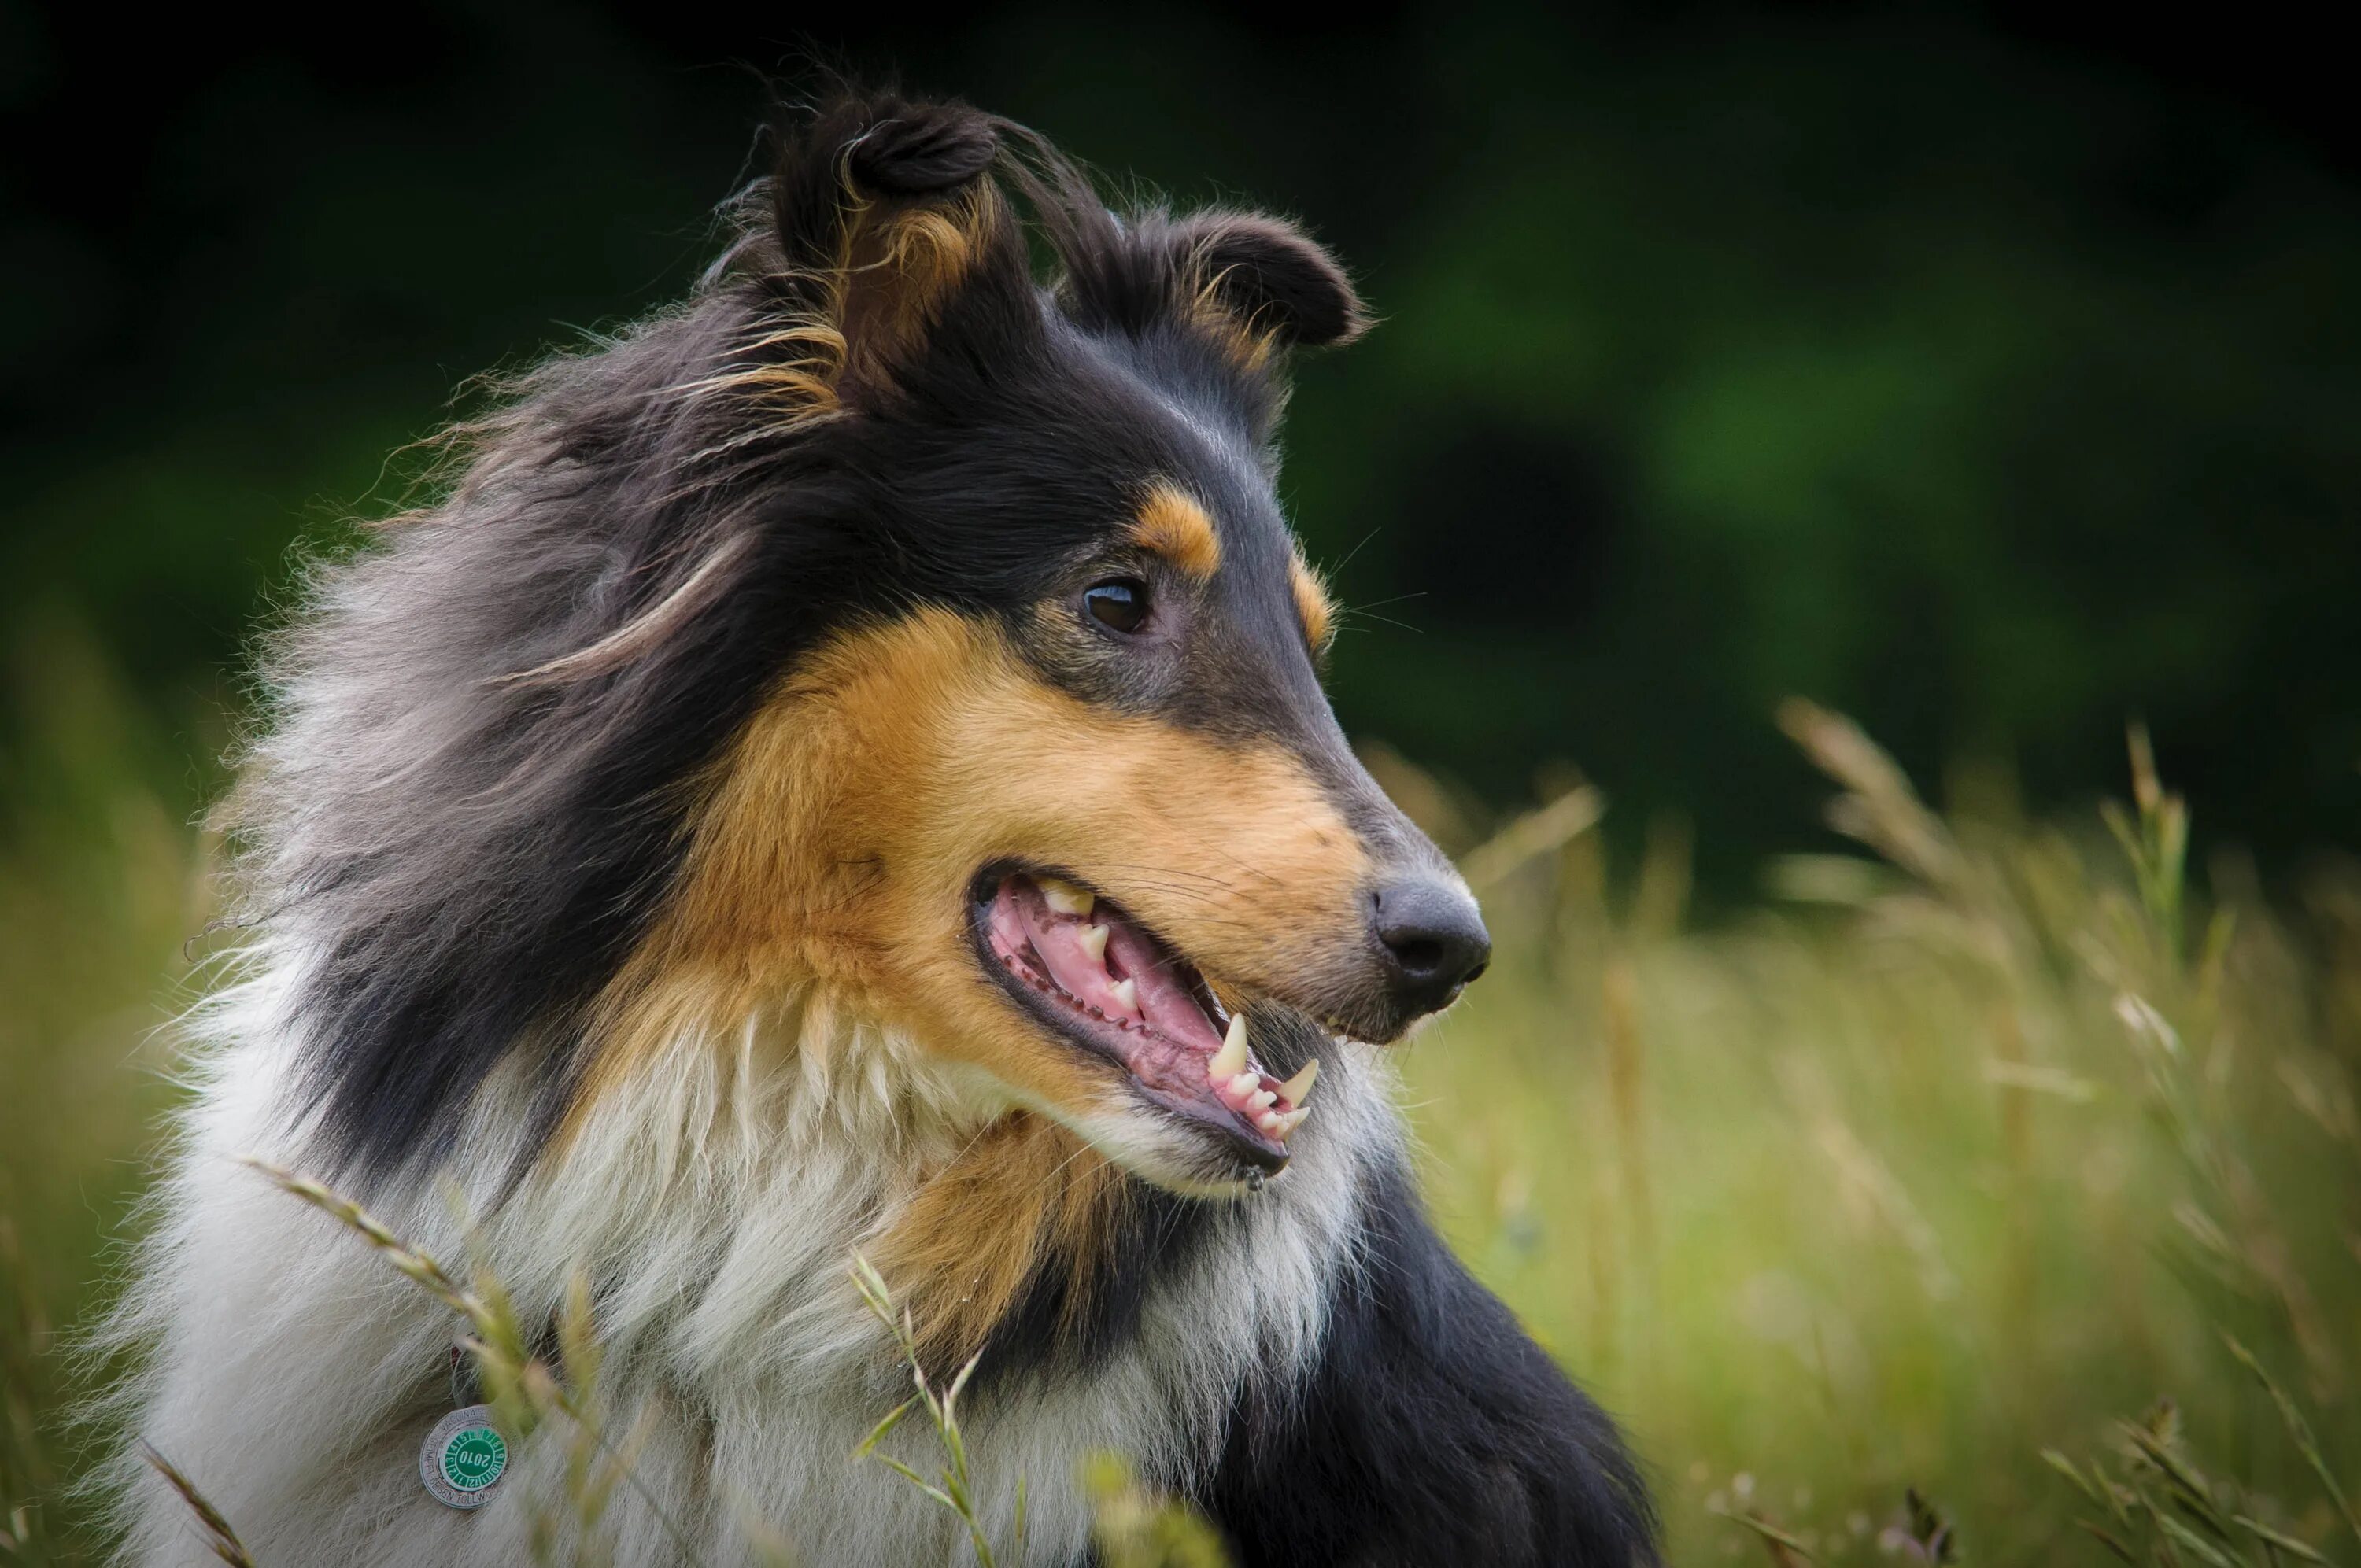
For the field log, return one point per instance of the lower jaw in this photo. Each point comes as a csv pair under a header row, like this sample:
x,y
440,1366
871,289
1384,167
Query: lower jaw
x,y
1165,1153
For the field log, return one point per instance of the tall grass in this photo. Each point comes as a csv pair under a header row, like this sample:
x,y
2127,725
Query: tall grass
x,y
1973,1145
99,889
1990,1194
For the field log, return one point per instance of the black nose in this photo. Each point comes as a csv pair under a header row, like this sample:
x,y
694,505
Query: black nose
x,y
1433,939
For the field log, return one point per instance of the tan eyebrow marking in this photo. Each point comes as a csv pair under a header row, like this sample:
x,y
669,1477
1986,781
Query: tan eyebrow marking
x,y
1174,526
1312,605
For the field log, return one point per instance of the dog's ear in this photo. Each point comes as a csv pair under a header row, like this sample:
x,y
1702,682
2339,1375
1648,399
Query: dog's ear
x,y
1250,282
1269,277
885,216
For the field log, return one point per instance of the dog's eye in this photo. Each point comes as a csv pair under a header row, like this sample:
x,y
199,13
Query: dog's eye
x,y
1119,602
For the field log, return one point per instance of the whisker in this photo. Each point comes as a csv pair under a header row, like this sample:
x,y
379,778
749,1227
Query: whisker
x,y
1355,550
1388,619
1380,604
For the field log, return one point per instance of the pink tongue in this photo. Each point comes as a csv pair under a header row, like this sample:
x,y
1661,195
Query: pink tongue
x,y
1171,1011
1164,1000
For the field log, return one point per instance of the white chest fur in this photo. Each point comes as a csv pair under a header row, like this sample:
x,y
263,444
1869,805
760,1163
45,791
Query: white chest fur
x,y
715,1203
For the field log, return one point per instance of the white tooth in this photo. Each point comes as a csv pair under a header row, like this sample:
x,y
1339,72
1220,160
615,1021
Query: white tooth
x,y
1095,942
1231,1060
1261,1100
1298,1089
1243,1088
1065,897
1126,995
1273,1124
1287,1121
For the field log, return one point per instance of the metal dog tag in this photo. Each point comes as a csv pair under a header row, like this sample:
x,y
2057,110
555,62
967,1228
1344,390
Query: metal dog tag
x,y
464,1458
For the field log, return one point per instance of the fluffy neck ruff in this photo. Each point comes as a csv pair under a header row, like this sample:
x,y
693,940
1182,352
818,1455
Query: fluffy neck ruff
x,y
742,1166
712,1200
716,1196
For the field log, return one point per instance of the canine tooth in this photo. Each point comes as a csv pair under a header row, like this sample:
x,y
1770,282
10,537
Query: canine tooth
x,y
1243,1087
1231,1060
1288,1121
1296,1091
1065,897
1095,942
1126,993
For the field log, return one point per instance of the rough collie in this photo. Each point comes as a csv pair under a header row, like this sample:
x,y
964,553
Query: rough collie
x,y
842,765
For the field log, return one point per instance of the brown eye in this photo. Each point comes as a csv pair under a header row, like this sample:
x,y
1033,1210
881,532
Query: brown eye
x,y
1119,602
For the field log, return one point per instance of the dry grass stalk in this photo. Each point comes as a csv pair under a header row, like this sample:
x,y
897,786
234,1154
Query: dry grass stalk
x,y
2300,1432
1785,1550
1528,837
1880,808
416,1265
521,1390
219,1537
953,1486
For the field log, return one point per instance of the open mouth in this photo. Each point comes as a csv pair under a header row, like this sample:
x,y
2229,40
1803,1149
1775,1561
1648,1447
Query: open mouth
x,y
1103,982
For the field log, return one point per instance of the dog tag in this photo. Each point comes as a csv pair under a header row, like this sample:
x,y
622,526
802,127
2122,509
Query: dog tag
x,y
464,1458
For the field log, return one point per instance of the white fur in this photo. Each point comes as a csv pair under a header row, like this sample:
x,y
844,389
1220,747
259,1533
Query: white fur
x,y
714,1203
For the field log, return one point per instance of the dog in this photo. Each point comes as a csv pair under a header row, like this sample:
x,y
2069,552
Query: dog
x,y
841,767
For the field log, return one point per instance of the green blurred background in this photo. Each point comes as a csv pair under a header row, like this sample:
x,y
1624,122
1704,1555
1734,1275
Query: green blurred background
x,y
1987,375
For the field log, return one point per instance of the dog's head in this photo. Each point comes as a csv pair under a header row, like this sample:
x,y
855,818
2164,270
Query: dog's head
x,y
935,638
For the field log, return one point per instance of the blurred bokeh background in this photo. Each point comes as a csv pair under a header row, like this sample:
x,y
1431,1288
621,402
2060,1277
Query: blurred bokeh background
x,y
1988,375
1987,379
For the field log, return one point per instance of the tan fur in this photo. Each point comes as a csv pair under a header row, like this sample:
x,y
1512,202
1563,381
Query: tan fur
x,y
1248,344
1023,1192
836,852
1172,525
1312,605
901,266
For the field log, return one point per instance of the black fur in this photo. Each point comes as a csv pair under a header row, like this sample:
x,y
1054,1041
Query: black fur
x,y
914,150
1053,1333
1435,1431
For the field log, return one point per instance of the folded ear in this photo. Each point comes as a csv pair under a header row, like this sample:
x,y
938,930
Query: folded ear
x,y
1270,277
1249,282
883,212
